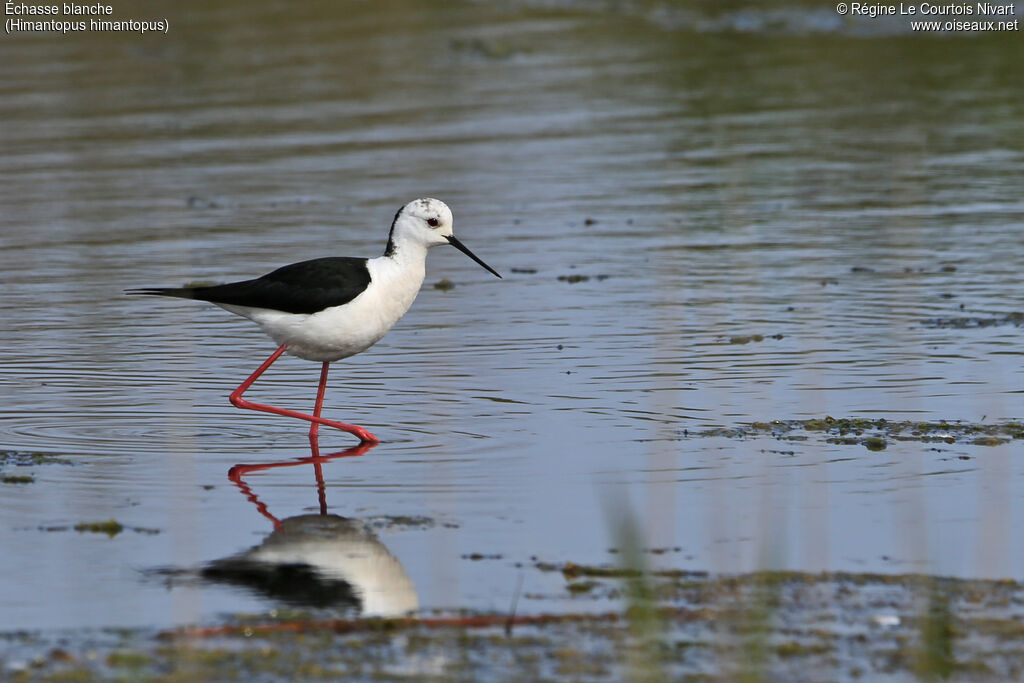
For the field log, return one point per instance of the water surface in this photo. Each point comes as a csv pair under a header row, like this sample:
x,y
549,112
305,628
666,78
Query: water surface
x,y
652,183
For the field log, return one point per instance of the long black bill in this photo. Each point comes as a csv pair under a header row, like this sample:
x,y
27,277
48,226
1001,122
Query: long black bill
x,y
465,250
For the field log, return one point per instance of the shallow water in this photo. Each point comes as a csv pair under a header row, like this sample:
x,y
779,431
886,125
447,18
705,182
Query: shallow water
x,y
831,186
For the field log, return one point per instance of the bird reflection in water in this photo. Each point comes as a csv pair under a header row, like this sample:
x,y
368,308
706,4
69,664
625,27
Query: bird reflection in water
x,y
318,560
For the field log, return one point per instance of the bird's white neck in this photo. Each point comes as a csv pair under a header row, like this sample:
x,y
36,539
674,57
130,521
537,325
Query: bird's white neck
x,y
397,277
406,252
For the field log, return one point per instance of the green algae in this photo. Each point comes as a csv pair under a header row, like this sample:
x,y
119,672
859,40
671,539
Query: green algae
x,y
581,587
875,443
111,527
797,649
989,441
29,458
572,570
130,660
25,459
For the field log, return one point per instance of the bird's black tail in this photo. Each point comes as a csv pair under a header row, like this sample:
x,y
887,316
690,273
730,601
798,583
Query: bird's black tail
x,y
180,292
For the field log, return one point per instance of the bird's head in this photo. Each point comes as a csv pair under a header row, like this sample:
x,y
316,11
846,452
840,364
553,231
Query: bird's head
x,y
428,222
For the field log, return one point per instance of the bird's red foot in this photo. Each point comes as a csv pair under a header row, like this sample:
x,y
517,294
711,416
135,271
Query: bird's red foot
x,y
355,430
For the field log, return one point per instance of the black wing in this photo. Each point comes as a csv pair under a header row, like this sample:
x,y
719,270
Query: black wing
x,y
305,287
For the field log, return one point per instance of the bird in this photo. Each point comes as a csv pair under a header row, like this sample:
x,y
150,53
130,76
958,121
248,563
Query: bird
x,y
326,309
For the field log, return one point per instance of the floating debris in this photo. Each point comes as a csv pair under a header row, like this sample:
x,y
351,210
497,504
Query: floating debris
x,y
747,338
444,285
574,278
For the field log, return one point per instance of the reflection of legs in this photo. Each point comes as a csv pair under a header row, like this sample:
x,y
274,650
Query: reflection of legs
x,y
239,402
236,473
321,489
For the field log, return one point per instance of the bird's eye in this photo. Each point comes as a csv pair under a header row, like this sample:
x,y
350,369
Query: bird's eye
x,y
433,222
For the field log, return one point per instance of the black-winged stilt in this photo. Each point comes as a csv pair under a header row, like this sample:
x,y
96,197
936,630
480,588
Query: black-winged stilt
x,y
331,308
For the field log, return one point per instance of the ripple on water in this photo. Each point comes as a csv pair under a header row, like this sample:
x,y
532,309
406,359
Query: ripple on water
x,y
125,433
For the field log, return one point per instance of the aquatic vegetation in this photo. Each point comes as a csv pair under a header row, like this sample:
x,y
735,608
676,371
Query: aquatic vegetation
x,y
111,527
767,625
444,284
28,458
746,339
25,459
874,434
1015,318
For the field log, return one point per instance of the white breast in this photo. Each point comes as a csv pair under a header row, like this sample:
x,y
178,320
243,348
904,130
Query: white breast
x,y
342,331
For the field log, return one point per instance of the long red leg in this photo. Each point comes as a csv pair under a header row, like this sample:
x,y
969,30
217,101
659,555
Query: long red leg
x,y
315,427
239,402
